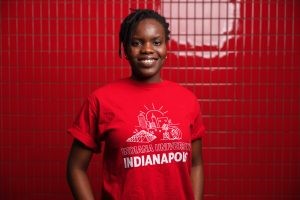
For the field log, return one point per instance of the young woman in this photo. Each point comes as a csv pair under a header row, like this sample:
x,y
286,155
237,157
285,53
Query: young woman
x,y
152,128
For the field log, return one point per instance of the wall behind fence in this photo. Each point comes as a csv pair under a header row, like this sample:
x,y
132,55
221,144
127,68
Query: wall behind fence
x,y
241,58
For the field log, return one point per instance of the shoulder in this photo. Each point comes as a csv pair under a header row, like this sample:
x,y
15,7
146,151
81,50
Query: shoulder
x,y
111,92
181,90
110,88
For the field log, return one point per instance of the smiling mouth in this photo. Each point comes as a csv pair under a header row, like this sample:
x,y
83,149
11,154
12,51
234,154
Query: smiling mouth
x,y
148,62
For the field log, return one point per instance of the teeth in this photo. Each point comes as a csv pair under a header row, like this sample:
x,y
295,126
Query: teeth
x,y
148,61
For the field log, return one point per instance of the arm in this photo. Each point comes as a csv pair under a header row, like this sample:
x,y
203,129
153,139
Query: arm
x,y
197,175
78,162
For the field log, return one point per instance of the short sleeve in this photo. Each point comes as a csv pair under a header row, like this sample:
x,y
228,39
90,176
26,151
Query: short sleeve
x,y
84,127
197,127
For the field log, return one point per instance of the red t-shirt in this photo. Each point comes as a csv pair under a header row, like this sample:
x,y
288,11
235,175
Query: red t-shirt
x,y
147,130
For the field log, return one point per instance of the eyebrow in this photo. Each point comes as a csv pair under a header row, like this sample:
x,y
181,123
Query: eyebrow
x,y
154,38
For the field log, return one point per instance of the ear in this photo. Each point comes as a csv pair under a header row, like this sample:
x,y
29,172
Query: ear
x,y
126,54
122,51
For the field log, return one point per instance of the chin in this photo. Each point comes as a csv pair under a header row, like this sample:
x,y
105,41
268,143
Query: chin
x,y
145,76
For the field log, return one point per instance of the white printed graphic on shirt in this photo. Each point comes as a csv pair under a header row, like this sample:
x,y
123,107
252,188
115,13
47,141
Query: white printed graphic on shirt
x,y
153,123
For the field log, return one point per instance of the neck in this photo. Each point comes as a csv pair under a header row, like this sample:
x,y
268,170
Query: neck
x,y
147,80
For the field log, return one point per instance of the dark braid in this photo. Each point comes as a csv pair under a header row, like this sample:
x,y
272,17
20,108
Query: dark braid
x,y
131,21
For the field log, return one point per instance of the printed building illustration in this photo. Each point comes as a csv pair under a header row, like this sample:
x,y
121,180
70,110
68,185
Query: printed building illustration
x,y
154,124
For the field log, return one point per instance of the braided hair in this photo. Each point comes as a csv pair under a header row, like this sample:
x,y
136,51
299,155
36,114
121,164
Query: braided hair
x,y
132,20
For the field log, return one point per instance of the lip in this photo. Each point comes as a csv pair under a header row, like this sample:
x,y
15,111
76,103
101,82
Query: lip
x,y
147,58
147,61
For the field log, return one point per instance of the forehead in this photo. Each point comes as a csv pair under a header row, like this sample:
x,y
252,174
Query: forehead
x,y
148,26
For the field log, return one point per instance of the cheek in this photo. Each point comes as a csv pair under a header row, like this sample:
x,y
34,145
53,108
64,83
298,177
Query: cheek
x,y
132,52
163,52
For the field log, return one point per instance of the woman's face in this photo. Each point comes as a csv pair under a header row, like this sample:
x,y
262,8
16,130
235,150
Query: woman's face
x,y
147,51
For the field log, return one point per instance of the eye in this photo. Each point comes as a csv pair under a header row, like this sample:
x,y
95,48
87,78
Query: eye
x,y
136,43
157,43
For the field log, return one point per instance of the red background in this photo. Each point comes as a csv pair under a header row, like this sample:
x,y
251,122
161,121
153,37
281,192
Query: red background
x,y
54,53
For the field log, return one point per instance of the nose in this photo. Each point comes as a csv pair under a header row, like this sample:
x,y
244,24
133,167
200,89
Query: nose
x,y
147,48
